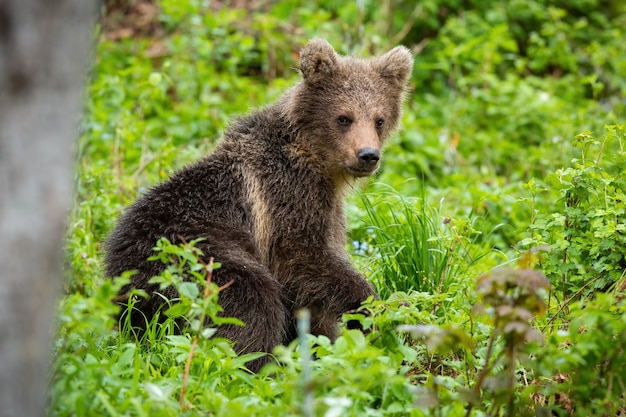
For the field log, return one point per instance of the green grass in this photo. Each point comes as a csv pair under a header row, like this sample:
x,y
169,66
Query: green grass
x,y
409,247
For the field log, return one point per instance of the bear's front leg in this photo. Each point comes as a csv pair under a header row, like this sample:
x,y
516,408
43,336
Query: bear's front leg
x,y
327,287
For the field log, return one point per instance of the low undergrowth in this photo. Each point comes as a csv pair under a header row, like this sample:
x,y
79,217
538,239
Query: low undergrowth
x,y
483,349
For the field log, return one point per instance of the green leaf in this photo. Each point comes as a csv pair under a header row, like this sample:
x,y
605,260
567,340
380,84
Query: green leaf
x,y
189,290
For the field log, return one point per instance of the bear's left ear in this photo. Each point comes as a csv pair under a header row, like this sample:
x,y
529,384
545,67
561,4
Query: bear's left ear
x,y
396,65
318,61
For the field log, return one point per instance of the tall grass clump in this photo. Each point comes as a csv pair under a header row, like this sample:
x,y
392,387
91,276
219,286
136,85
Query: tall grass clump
x,y
408,246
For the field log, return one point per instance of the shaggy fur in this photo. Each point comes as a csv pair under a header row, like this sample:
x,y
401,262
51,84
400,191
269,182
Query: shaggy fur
x,y
269,201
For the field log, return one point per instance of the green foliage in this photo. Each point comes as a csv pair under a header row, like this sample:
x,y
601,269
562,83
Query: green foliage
x,y
587,233
409,246
491,132
499,76
582,368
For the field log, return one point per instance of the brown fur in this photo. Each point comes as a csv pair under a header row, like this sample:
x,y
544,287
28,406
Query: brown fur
x,y
269,200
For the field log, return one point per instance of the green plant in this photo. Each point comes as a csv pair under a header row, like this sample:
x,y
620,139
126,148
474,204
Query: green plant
x,y
486,363
409,246
579,371
163,367
587,235
514,298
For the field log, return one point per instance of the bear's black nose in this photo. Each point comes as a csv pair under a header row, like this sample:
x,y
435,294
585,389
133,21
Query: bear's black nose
x,y
368,156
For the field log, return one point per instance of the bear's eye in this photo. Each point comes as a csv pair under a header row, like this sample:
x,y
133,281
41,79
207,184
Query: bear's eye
x,y
344,120
380,123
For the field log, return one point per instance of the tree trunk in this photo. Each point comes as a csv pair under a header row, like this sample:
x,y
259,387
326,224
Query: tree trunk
x,y
43,54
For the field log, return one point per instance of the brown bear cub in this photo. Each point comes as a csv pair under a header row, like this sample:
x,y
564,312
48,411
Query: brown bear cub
x,y
268,201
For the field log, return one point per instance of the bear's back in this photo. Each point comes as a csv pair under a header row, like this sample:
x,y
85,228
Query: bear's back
x,y
213,192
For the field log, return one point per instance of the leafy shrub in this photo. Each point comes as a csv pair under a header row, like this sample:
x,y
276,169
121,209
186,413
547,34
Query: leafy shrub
x,y
580,370
587,234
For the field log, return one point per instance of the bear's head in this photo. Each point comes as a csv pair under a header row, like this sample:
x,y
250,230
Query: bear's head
x,y
347,107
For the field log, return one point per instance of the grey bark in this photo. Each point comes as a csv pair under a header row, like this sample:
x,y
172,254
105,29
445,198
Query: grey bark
x,y
43,55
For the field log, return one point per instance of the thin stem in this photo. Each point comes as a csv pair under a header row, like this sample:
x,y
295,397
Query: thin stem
x,y
183,389
567,301
564,260
601,150
511,371
486,368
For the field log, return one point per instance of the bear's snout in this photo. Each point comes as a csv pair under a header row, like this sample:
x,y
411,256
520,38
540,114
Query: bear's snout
x,y
368,157
366,162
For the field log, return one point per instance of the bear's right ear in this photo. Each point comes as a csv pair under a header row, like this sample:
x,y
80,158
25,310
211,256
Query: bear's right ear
x,y
318,61
396,65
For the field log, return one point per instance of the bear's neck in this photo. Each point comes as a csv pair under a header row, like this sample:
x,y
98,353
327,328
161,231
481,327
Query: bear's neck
x,y
293,202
